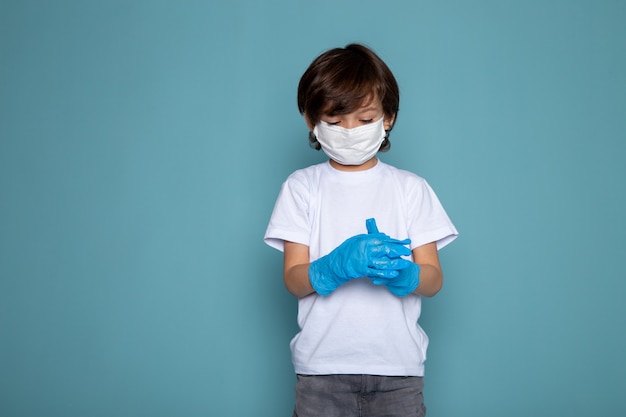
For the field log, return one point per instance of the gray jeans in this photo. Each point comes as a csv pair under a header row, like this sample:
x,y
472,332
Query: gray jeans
x,y
359,396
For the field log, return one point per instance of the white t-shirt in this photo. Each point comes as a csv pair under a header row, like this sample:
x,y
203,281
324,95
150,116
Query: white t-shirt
x,y
360,328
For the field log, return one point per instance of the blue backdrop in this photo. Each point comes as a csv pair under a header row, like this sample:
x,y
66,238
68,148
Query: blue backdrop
x,y
142,146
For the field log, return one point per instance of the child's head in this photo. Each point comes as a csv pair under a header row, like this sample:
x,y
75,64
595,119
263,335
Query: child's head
x,y
342,80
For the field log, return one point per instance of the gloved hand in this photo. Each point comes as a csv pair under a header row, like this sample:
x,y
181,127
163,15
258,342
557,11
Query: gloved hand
x,y
372,255
408,277
407,280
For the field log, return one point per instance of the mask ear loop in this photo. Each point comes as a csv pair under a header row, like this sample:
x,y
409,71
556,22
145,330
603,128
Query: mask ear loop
x,y
313,143
385,144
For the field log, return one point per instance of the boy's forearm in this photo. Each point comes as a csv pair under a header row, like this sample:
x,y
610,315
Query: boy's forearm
x,y
297,280
431,280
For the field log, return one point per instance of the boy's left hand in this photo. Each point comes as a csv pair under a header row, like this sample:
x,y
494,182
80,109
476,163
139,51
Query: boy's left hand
x,y
408,272
405,283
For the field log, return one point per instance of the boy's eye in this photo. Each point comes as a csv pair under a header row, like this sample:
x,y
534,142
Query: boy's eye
x,y
367,120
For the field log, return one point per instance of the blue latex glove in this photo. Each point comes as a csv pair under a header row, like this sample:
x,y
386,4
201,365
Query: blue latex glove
x,y
408,277
366,255
407,280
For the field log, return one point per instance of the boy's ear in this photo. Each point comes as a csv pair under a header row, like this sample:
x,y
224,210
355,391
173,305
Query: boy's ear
x,y
308,122
388,122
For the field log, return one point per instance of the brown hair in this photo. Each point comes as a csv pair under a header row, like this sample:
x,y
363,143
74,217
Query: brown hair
x,y
340,80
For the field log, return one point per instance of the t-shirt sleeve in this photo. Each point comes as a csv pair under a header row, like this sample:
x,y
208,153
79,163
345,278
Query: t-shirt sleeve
x,y
289,220
428,221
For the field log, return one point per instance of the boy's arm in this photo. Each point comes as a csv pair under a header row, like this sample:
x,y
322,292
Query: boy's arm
x,y
296,269
431,277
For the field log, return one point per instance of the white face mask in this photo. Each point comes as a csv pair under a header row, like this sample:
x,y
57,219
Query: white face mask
x,y
350,146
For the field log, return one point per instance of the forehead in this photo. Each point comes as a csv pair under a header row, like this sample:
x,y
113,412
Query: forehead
x,y
370,103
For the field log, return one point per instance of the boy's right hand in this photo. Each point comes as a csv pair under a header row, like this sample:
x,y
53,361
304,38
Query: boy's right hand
x,y
372,255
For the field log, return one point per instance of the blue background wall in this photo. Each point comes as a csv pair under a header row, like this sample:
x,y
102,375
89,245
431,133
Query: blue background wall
x,y
142,145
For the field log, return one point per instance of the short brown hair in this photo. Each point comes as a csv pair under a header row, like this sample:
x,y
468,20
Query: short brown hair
x,y
340,80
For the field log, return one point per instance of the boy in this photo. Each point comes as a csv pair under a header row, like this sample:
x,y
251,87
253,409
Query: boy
x,y
360,350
